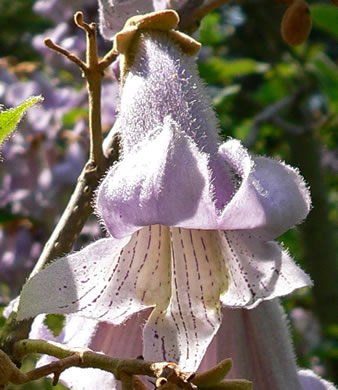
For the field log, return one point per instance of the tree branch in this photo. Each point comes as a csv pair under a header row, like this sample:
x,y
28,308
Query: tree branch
x,y
71,56
169,375
79,207
108,59
193,12
271,113
11,374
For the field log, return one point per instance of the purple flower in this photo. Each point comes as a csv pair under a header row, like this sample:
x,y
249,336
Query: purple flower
x,y
19,244
59,10
191,221
310,381
257,340
261,350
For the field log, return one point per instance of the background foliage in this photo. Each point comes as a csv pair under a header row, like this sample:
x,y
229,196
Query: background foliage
x,y
280,101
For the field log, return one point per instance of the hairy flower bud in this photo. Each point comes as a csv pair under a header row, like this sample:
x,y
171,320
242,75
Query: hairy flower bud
x,y
296,23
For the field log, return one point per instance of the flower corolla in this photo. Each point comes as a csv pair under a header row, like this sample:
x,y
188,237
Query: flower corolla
x,y
190,220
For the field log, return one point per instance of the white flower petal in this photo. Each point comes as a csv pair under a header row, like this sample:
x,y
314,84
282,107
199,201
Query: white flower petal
x,y
182,331
271,198
310,381
107,280
257,270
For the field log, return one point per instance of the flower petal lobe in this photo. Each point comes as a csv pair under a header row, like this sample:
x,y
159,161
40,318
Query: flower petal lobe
x,y
258,270
182,331
102,281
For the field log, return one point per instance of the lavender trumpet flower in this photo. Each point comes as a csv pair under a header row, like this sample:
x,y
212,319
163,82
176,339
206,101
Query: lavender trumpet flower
x,y
191,221
261,350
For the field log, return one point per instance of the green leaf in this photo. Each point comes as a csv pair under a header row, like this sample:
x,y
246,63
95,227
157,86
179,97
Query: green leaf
x,y
272,90
71,117
9,119
325,71
224,93
242,131
210,30
325,17
6,216
55,323
218,70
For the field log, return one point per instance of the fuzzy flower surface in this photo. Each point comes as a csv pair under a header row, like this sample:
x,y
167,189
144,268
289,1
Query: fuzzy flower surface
x,y
190,220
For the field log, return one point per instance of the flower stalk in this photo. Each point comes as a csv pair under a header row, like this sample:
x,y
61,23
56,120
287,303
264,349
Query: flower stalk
x,y
123,369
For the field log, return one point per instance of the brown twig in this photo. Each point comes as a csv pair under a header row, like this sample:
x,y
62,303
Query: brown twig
x,y
93,71
9,372
122,369
72,57
190,19
94,76
271,113
79,207
89,28
91,52
169,375
208,7
108,59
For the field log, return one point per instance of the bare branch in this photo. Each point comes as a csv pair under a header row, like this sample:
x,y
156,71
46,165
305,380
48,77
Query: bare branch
x,y
79,207
269,113
75,215
72,57
191,18
169,375
108,59
89,28
288,127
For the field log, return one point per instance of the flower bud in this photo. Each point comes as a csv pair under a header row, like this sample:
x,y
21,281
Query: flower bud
x,y
296,23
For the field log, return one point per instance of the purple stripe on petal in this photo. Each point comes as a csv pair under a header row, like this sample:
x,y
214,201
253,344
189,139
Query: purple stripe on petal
x,y
193,315
258,270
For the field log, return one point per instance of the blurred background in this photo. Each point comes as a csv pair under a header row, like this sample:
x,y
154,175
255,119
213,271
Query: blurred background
x,y
280,101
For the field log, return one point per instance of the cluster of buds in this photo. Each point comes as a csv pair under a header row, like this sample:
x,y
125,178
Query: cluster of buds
x,y
296,23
